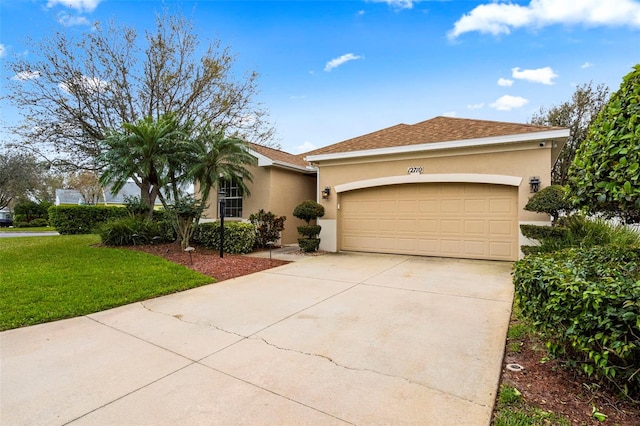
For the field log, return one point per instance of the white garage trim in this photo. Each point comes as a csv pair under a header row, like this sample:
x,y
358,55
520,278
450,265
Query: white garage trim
x,y
430,178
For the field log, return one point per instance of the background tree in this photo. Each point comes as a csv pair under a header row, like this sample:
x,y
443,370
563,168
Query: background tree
x,y
87,184
20,177
576,115
73,90
605,174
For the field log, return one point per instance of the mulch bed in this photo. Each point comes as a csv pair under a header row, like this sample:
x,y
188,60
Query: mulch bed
x,y
208,262
552,388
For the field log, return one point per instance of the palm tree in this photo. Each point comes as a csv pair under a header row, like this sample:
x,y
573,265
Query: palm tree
x,y
219,158
150,152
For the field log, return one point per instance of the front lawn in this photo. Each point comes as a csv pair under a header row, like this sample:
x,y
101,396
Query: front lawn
x,y
47,279
22,230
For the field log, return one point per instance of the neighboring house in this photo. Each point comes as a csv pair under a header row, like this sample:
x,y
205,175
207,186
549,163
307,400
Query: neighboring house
x,y
280,182
73,197
447,187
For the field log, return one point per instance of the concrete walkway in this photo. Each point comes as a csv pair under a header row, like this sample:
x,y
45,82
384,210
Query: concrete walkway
x,y
334,339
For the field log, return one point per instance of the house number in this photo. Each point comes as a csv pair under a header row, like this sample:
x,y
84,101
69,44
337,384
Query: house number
x,y
414,170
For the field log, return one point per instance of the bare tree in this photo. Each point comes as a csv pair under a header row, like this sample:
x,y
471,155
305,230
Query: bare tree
x,y
73,90
87,184
576,115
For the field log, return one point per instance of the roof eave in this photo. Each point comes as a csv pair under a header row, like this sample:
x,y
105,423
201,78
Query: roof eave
x,y
435,146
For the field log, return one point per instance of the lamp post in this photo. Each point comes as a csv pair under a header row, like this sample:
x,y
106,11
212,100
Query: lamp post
x,y
221,200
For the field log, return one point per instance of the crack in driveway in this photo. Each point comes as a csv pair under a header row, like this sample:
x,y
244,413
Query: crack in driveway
x,y
255,337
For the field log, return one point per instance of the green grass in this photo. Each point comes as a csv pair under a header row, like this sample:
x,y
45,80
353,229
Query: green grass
x,y
19,230
512,411
47,279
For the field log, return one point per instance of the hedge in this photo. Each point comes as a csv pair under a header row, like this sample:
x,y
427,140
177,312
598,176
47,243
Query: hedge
x,y
239,237
82,219
587,303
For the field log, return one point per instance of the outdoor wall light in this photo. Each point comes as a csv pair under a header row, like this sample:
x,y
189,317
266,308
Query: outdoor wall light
x,y
326,192
534,184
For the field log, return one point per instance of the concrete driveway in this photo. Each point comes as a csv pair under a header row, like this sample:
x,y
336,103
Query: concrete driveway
x,y
334,339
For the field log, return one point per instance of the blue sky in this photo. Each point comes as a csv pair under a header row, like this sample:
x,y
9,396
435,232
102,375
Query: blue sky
x,y
331,70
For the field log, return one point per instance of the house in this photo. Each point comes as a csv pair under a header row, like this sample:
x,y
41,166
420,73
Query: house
x,y
281,181
448,187
108,198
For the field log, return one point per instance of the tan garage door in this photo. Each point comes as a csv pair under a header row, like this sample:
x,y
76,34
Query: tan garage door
x,y
475,221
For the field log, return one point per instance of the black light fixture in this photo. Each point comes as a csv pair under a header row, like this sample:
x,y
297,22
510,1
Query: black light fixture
x,y
534,184
326,192
221,200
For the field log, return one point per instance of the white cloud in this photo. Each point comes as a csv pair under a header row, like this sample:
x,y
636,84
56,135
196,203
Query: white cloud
x,y
476,106
26,75
79,5
360,13
500,18
541,75
397,4
449,114
93,84
304,147
69,21
334,63
507,103
586,65
505,82
3,50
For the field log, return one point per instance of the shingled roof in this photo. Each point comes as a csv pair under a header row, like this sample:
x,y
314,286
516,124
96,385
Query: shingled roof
x,y
279,156
438,129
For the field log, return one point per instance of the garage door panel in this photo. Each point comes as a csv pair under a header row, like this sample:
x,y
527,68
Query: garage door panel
x,y
475,227
448,219
501,227
449,226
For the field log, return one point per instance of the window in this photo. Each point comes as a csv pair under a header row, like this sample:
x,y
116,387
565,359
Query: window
x,y
233,199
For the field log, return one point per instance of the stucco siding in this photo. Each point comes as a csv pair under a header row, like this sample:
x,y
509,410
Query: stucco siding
x,y
288,189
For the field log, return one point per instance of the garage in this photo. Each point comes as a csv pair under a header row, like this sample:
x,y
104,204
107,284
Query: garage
x,y
446,187
463,220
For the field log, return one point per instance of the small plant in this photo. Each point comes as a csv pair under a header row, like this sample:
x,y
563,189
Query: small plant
x,y
509,395
268,227
129,231
309,210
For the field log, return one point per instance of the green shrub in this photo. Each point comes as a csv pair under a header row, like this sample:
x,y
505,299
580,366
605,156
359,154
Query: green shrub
x,y
540,232
21,225
130,231
39,223
585,232
308,210
239,237
309,231
587,302
551,200
17,218
82,219
28,210
309,244
268,227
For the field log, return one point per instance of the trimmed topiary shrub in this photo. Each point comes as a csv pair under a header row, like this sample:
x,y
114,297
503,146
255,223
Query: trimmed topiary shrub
x,y
82,219
551,200
309,231
309,210
587,303
239,237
